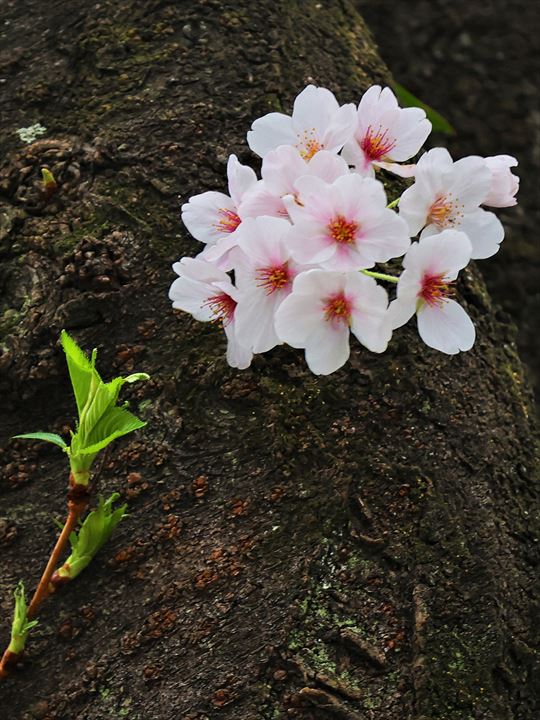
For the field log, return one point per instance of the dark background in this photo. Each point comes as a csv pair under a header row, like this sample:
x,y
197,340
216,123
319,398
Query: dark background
x,y
478,64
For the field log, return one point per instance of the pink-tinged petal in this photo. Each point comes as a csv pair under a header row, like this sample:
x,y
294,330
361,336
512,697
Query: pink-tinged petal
x,y
485,232
504,184
260,201
354,155
404,171
262,240
241,179
471,180
220,252
327,166
328,348
238,356
297,319
254,319
445,254
309,244
384,238
358,198
269,132
209,216
201,271
191,297
319,283
281,168
446,327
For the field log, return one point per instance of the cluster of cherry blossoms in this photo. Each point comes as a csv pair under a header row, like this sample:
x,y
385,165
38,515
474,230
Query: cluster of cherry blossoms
x,y
288,258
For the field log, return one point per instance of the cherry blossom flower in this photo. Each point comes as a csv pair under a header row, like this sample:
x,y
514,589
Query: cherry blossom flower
x,y
213,217
426,287
448,194
264,274
324,308
208,294
385,133
504,184
344,225
280,170
317,123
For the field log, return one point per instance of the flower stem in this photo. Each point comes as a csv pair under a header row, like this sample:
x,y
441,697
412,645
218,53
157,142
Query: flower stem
x,y
380,276
393,204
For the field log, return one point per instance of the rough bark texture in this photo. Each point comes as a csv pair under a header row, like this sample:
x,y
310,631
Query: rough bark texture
x,y
354,547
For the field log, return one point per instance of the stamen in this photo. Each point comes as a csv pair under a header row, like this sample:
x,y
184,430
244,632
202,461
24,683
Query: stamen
x,y
337,309
228,222
308,144
343,231
445,211
376,144
435,289
222,306
274,277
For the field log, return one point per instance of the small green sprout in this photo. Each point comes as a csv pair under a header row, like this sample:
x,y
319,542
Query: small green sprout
x,y
101,419
21,625
94,532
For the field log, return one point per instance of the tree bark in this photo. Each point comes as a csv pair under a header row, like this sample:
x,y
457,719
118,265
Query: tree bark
x,y
353,547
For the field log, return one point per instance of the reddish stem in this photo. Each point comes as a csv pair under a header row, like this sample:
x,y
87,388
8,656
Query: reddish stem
x,y
75,510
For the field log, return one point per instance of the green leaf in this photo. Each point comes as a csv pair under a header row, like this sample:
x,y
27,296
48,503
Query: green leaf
x,y
407,99
21,625
84,376
92,535
48,437
117,421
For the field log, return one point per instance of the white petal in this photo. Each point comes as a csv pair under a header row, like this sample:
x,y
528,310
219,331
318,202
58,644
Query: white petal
x,y
262,239
314,108
471,180
447,328
414,207
201,215
254,319
401,311
241,179
269,132
238,356
260,201
445,253
281,167
485,232
297,318
328,348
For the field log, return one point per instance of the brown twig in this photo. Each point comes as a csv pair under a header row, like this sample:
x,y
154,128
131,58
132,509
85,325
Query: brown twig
x,y
78,499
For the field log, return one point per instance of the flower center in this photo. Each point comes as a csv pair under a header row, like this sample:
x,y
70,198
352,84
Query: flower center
x,y
376,144
343,231
435,289
308,144
228,221
444,211
274,278
222,306
337,309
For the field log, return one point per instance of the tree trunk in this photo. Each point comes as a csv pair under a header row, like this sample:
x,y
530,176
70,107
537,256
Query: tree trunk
x,y
353,547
